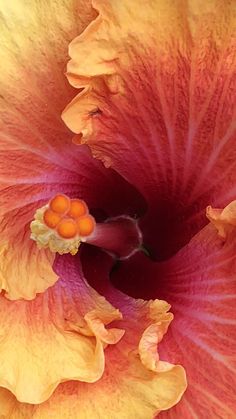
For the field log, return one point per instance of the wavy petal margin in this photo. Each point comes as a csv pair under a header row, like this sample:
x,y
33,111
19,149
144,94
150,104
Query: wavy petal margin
x,y
59,336
199,283
32,89
37,156
223,219
159,107
129,386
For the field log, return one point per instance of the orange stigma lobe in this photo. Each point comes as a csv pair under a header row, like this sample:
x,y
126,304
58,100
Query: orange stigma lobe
x,y
77,209
86,225
69,218
60,204
51,218
67,228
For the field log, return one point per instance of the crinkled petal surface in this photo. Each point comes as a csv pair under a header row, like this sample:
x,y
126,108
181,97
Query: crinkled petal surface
x,y
163,73
129,387
55,337
37,156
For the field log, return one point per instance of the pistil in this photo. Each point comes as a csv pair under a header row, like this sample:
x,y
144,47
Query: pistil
x,y
63,223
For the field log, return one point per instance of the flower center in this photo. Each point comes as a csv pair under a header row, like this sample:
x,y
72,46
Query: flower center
x,y
64,223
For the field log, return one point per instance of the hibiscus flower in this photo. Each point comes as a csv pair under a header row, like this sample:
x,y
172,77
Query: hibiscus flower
x,y
102,230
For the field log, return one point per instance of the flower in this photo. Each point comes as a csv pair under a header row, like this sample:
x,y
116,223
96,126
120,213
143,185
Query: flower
x,y
155,106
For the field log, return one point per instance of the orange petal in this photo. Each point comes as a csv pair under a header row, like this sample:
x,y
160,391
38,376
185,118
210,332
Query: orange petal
x,y
37,157
223,219
24,269
134,392
7,404
172,114
30,127
56,337
153,335
128,385
101,50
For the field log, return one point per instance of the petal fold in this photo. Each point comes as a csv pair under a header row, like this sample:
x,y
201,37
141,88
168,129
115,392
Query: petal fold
x,y
58,336
199,283
223,219
37,156
128,388
162,78
153,335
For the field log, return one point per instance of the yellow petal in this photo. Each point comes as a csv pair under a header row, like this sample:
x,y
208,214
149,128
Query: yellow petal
x,y
105,45
152,336
223,219
168,29
24,269
128,389
58,336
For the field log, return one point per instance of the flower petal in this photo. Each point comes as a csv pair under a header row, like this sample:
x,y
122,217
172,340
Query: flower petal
x,y
168,126
128,387
56,337
7,403
37,156
30,128
151,338
199,282
223,219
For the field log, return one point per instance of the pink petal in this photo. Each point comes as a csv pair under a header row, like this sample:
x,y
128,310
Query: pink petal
x,y
199,283
169,128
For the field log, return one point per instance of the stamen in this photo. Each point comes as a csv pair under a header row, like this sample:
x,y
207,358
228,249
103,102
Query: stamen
x,y
64,223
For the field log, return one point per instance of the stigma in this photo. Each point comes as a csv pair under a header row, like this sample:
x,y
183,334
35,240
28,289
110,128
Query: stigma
x,y
62,224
